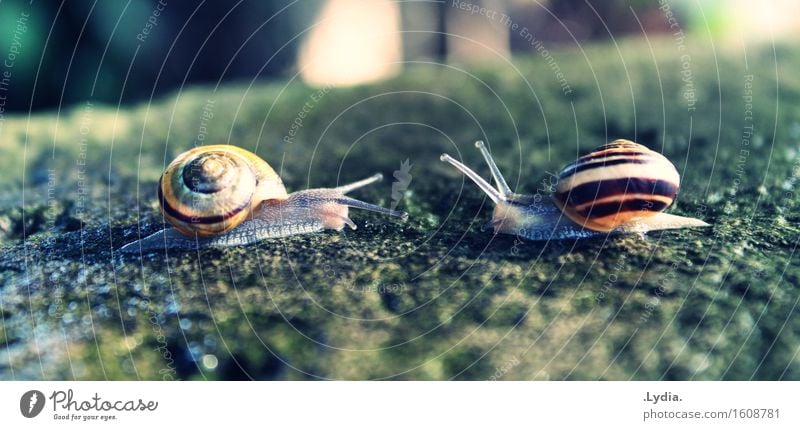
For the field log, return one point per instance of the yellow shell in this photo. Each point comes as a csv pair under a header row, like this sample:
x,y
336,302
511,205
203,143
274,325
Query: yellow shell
x,y
211,189
616,183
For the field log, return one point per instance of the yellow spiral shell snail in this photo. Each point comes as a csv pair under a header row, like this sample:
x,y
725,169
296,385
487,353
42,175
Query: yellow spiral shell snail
x,y
211,189
223,195
621,187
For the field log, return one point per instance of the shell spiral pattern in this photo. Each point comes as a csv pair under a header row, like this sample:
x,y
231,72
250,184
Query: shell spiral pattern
x,y
211,189
618,182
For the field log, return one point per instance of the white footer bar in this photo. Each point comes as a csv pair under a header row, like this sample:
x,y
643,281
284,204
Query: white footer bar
x,y
400,405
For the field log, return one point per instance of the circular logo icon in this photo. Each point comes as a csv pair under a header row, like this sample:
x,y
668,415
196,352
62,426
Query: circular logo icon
x,y
31,403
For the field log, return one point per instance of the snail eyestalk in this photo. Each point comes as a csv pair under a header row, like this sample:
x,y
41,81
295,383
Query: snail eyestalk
x,y
344,189
502,186
487,188
358,204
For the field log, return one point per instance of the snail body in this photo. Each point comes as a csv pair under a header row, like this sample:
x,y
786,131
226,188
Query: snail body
x,y
222,195
621,187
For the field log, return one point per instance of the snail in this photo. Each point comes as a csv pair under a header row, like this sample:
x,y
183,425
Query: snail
x,y
223,195
620,187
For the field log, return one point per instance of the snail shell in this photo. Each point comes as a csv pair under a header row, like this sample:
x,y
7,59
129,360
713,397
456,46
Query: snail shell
x,y
211,189
617,183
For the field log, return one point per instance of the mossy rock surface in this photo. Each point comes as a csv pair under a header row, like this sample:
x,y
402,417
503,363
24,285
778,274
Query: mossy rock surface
x,y
434,297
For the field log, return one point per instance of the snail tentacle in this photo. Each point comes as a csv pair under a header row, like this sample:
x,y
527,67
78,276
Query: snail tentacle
x,y
344,189
328,205
502,185
486,187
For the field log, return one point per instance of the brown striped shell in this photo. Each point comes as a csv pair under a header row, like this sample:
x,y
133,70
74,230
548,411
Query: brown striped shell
x,y
618,182
211,189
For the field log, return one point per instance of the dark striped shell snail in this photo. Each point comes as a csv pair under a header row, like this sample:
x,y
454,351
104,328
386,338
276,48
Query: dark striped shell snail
x,y
621,187
223,195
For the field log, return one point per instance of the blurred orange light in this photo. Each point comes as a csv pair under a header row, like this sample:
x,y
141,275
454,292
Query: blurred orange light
x,y
353,42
